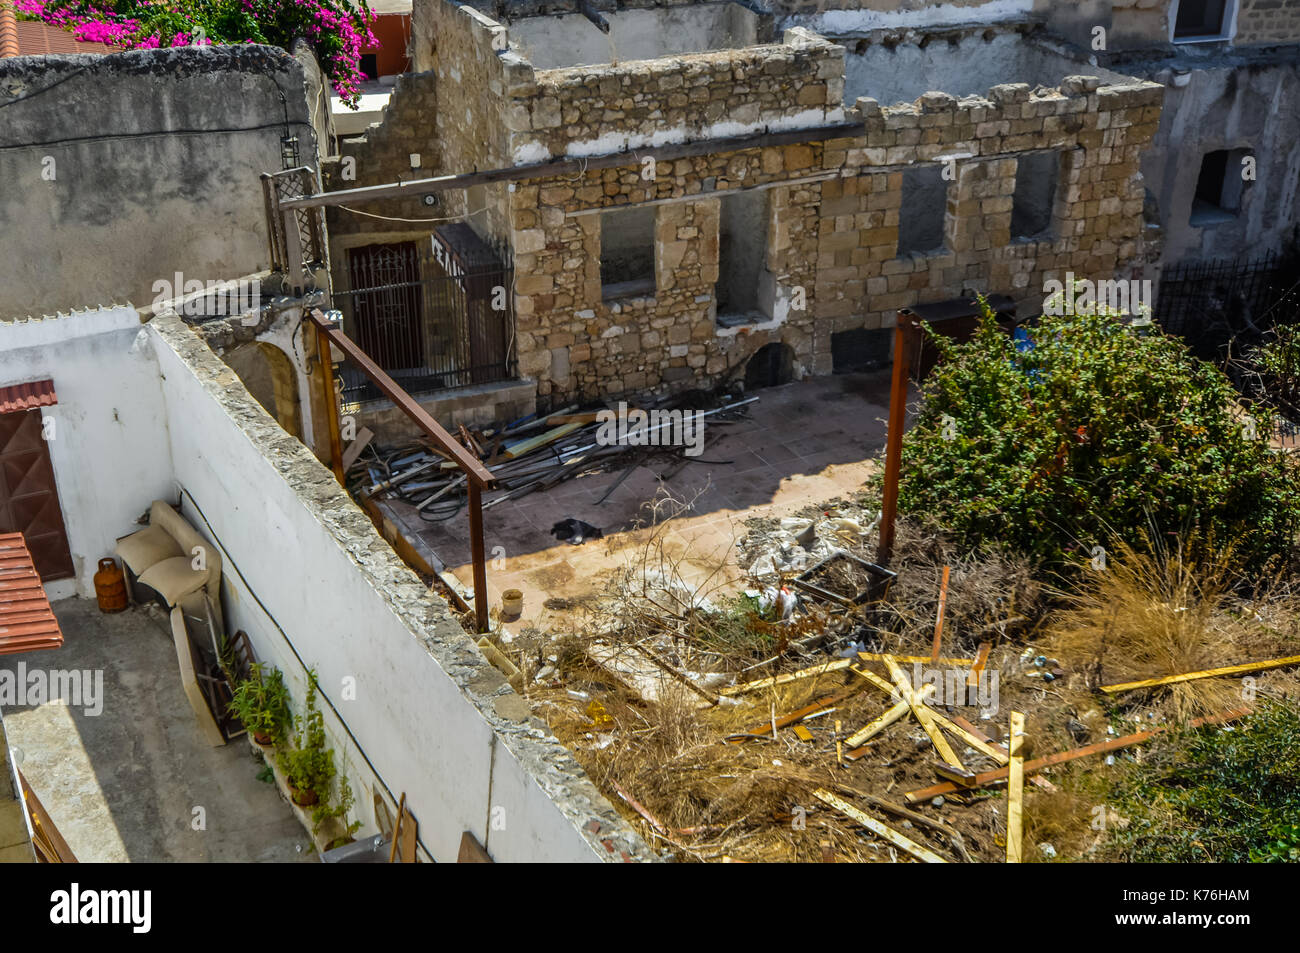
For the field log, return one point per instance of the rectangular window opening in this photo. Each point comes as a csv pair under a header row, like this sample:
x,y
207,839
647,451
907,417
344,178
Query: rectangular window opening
x,y
742,252
1202,19
924,207
627,252
1034,200
1221,185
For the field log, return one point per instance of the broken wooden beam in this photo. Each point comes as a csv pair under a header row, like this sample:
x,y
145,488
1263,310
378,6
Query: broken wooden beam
x,y
878,828
923,715
1245,669
938,619
1101,747
1015,788
771,681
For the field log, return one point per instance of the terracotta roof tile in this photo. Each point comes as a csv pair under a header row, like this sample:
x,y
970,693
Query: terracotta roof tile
x,y
41,39
18,397
26,621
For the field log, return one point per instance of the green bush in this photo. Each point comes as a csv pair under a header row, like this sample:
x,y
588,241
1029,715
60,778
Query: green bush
x,y
309,765
261,702
1217,794
1097,429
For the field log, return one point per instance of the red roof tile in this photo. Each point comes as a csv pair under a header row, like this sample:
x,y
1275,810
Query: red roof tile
x,y
26,621
26,396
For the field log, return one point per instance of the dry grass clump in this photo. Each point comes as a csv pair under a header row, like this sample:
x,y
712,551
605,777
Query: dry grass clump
x,y
992,594
1156,612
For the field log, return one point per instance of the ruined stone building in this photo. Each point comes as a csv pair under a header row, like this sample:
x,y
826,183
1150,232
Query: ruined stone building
x,y
705,180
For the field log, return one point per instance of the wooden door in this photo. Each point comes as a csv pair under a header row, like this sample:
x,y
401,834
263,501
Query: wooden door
x,y
29,500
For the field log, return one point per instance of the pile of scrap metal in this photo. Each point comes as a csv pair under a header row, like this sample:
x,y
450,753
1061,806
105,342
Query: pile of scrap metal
x,y
538,452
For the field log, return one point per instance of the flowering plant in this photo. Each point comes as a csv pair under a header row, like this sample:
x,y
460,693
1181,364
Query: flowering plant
x,y
337,30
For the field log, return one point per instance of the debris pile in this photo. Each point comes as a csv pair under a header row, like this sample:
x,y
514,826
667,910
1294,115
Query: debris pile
x,y
831,710
538,452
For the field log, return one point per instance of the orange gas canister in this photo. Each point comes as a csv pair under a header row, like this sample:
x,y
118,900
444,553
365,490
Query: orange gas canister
x,y
110,586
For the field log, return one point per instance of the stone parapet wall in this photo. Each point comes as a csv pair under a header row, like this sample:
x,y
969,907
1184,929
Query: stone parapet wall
x,y
833,222
596,110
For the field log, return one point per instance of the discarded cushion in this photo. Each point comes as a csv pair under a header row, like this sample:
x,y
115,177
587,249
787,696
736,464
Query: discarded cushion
x,y
147,547
174,578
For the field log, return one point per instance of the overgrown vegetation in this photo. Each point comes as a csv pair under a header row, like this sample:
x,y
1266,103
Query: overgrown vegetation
x,y
1154,611
1086,431
1223,795
309,764
336,29
261,702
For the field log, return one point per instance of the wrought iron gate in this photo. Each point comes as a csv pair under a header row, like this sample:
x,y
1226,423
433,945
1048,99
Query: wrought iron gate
x,y
429,323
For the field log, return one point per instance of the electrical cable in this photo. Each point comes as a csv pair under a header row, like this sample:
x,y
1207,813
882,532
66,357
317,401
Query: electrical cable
x,y
287,641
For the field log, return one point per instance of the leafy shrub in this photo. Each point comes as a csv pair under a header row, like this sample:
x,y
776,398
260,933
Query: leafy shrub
x,y
1224,796
1095,429
261,702
336,29
1278,365
309,765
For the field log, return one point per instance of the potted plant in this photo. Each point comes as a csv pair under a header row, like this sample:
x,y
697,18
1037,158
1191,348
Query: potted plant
x,y
325,812
308,766
261,702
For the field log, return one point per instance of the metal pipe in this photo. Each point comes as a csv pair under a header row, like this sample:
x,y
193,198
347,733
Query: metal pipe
x,y
894,440
324,368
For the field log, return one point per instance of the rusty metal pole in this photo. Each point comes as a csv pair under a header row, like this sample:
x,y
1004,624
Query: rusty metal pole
x,y
324,368
894,439
478,554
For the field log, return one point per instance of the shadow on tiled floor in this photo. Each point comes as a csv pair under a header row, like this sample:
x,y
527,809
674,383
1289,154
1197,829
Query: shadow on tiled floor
x,y
803,443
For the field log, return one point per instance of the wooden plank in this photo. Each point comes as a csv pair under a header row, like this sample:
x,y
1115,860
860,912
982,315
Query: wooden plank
x,y
1101,747
1015,788
364,436
515,450
974,739
912,659
938,619
471,851
802,733
1245,669
923,715
832,666
876,727
878,828
981,659
820,704
54,849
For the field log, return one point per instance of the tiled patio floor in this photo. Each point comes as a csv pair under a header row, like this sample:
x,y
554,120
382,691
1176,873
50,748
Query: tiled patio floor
x,y
803,443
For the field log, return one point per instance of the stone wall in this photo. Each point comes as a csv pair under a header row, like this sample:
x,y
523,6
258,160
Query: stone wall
x,y
832,234
119,171
595,110
1268,21
383,155
1099,134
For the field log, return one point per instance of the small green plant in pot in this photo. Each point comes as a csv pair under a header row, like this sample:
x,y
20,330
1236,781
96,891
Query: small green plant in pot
x,y
261,702
326,811
309,765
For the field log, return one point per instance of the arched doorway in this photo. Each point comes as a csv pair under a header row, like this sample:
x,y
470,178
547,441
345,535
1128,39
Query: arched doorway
x,y
771,365
269,376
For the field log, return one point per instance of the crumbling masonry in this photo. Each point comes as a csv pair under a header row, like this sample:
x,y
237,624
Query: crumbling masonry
x,y
721,120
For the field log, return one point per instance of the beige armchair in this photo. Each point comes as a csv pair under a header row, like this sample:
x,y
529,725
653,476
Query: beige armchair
x,y
172,559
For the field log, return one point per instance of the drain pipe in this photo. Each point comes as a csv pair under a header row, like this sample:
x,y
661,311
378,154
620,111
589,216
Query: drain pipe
x,y
588,11
8,30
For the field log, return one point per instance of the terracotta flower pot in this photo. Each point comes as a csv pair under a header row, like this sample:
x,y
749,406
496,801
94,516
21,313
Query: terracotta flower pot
x,y
263,740
304,797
